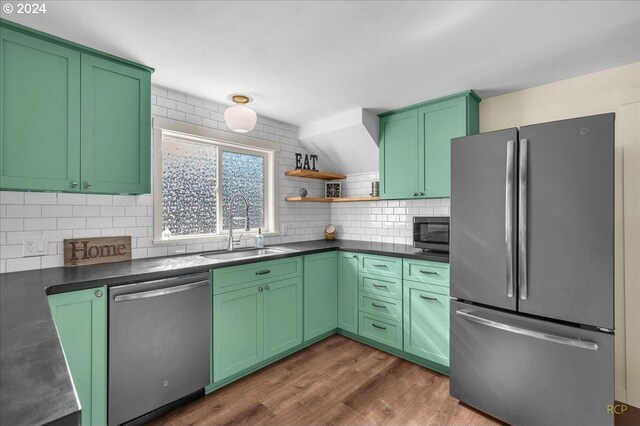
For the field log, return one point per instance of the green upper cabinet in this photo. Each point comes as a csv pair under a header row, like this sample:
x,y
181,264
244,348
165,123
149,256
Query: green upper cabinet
x,y
116,127
415,145
348,291
320,294
40,114
399,155
73,119
81,321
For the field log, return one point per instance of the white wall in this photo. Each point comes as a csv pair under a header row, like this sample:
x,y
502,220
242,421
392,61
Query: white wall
x,y
614,90
58,216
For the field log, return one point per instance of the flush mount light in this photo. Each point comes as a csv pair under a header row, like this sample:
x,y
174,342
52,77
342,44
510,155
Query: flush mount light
x,y
240,118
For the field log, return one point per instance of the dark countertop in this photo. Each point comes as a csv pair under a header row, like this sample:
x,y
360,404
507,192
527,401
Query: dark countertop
x,y
35,386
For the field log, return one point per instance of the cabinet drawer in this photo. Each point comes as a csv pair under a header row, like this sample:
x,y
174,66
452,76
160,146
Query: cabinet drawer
x,y
242,276
381,306
426,272
381,265
389,287
381,330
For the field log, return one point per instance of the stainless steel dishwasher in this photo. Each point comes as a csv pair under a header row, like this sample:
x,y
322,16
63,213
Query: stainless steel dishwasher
x,y
159,344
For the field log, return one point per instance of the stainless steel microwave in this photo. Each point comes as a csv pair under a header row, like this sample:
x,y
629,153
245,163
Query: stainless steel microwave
x,y
431,233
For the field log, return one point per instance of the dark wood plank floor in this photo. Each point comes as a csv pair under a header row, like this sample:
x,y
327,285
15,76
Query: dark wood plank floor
x,y
334,382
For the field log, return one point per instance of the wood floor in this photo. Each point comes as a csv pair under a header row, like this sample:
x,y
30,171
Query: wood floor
x,y
335,382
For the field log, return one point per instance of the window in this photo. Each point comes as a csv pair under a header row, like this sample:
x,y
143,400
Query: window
x,y
198,173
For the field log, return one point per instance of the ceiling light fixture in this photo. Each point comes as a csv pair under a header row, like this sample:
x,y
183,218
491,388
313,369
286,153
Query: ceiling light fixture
x,y
240,118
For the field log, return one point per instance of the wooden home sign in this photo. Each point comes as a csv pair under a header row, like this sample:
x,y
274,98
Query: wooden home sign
x,y
90,251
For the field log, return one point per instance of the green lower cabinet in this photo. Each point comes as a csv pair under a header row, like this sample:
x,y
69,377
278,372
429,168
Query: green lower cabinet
x,y
253,324
81,321
426,321
348,291
237,331
320,294
282,307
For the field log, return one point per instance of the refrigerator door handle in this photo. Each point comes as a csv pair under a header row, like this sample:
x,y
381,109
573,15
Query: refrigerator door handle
x,y
523,289
583,344
509,216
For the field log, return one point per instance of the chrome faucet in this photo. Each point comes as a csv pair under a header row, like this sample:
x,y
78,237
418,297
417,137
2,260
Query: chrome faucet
x,y
233,242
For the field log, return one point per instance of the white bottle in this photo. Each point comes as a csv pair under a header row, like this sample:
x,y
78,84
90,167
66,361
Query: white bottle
x,y
259,239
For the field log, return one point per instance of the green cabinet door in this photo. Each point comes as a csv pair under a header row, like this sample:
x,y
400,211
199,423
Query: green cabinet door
x,y
437,124
426,322
116,127
320,294
399,155
282,305
39,114
81,320
348,291
237,331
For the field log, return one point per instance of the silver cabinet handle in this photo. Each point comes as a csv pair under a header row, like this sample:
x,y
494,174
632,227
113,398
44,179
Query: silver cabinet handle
x,y
422,193
378,306
428,272
415,194
99,293
159,292
87,185
265,272
578,343
428,298
266,287
509,216
381,266
379,286
73,184
378,326
355,256
522,222
260,289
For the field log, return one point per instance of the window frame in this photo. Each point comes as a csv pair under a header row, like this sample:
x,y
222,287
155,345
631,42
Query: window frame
x,y
224,141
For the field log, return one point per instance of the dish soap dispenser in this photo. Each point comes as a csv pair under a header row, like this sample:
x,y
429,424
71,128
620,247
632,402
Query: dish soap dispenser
x,y
259,239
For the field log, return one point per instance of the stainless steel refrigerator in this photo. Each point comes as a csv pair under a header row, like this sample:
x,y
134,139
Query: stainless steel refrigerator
x,y
532,272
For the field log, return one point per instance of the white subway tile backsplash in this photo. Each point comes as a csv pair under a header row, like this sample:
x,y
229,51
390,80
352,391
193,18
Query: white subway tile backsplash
x,y
25,210
39,223
11,197
86,211
39,198
23,264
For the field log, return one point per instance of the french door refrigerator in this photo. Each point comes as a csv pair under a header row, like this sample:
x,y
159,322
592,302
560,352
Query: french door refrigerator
x,y
532,272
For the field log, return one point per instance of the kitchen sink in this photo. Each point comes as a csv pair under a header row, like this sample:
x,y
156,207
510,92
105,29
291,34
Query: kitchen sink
x,y
242,254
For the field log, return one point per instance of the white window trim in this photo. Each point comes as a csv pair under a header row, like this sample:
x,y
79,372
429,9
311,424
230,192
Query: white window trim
x,y
230,142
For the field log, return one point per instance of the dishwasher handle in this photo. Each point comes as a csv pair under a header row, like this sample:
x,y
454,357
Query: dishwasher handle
x,y
160,291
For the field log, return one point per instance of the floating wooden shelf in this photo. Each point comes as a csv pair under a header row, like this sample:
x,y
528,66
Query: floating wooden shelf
x,y
328,200
314,174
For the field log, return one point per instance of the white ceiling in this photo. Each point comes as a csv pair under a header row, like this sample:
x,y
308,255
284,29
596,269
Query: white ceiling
x,y
302,61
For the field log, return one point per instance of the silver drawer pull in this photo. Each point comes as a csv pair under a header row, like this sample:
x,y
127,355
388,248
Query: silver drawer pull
x,y
265,272
428,272
378,306
578,343
379,326
381,266
428,298
379,286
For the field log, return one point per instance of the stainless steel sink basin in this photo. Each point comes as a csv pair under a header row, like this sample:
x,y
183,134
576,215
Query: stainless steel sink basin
x,y
242,254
